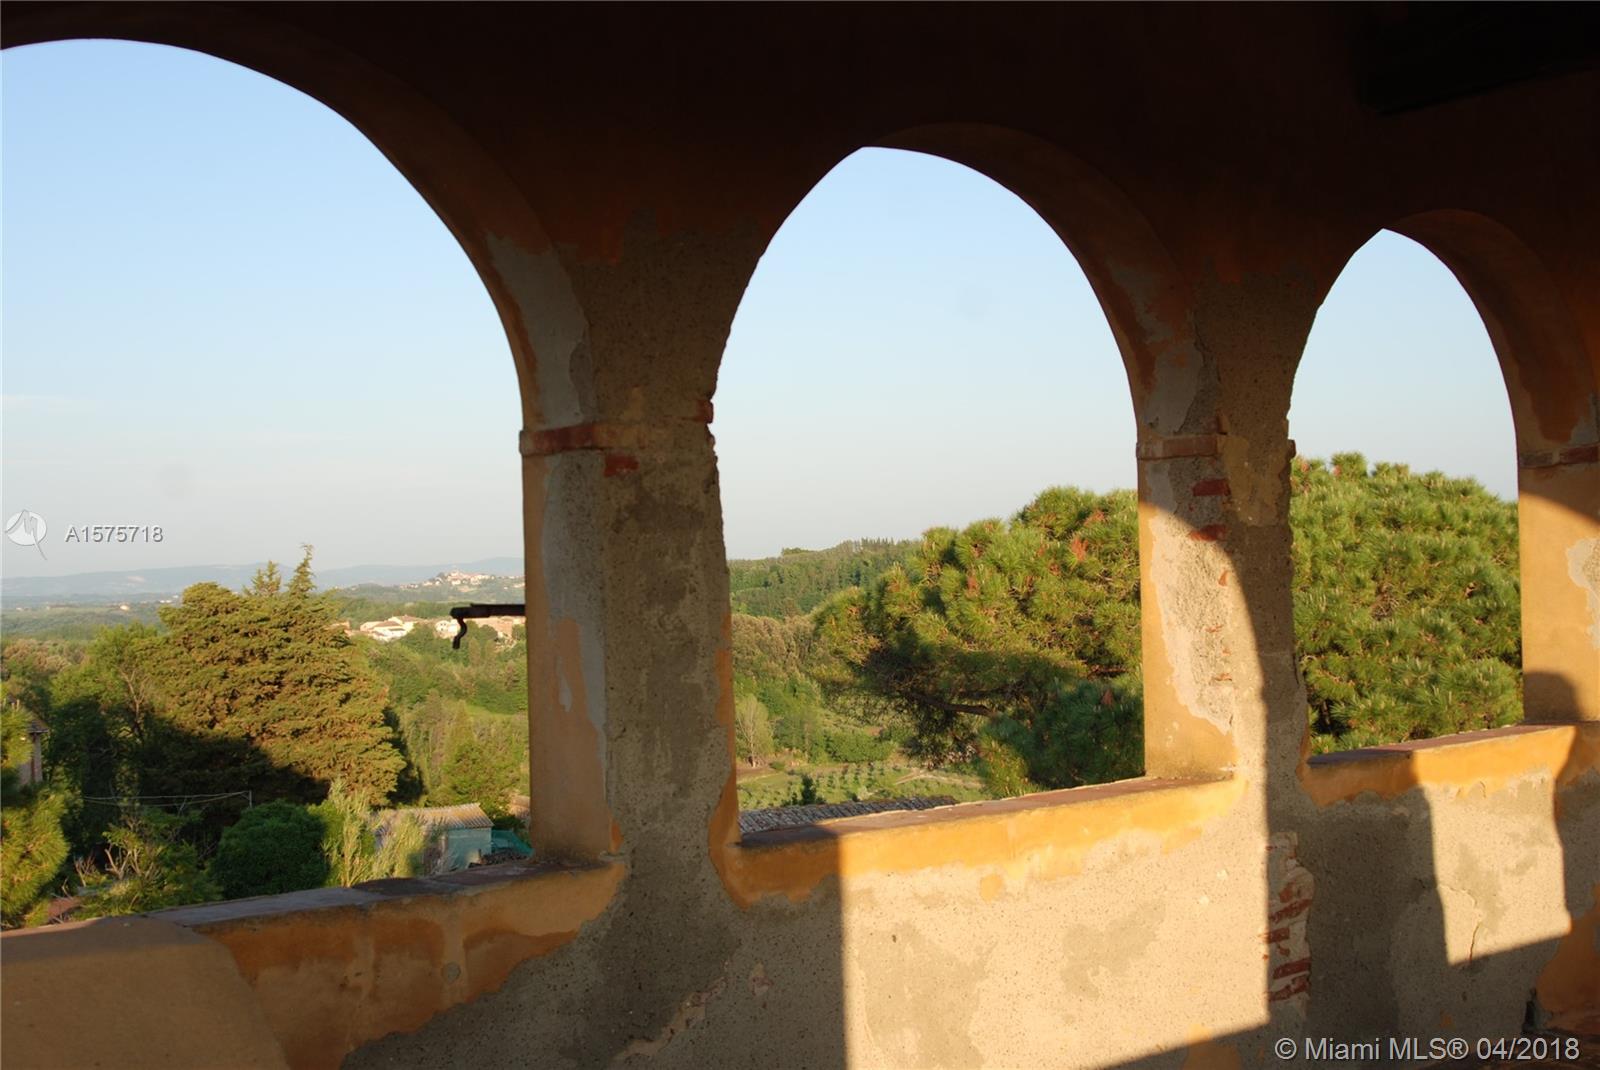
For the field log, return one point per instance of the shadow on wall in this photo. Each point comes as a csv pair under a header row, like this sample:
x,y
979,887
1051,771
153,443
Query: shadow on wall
x,y
1569,987
1413,893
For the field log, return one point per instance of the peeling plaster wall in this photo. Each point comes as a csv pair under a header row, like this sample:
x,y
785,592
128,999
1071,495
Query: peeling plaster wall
x,y
1444,909
1433,910
615,173
1023,972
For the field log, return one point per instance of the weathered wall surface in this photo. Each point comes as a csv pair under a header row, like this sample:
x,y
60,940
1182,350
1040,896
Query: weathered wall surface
x,y
1453,883
615,173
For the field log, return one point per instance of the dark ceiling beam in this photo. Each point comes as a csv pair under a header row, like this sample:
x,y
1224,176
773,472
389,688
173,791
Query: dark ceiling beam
x,y
1421,54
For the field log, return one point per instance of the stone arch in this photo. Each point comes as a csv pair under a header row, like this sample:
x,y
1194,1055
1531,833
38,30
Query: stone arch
x,y
1549,378
1141,291
469,191
1189,725
547,329
1551,384
1149,303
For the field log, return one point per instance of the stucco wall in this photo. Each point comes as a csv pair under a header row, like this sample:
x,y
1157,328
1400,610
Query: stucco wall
x,y
1417,892
615,174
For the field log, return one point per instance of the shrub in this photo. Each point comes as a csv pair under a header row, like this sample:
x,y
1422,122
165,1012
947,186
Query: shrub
x,y
33,850
275,847
1005,771
855,746
147,867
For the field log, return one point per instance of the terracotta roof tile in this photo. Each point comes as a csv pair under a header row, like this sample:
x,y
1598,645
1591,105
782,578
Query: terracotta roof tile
x,y
780,817
460,816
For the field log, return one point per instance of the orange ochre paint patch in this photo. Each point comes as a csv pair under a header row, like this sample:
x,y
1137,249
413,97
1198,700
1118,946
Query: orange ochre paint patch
x,y
725,819
1571,980
570,810
331,979
1042,836
1205,1053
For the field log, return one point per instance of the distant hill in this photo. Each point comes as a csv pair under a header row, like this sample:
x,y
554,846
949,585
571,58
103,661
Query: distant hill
x,y
87,588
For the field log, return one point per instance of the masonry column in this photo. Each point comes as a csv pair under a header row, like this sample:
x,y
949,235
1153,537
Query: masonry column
x,y
630,742
626,595
1222,694
1558,517
1213,455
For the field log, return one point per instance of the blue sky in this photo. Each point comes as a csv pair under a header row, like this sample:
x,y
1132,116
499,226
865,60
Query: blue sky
x,y
225,313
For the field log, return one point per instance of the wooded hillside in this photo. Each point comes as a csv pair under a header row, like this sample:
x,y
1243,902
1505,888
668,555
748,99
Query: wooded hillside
x,y
989,661
1012,647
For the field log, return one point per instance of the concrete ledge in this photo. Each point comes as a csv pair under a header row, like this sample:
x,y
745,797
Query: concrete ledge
x,y
127,992
1491,758
1047,835
300,979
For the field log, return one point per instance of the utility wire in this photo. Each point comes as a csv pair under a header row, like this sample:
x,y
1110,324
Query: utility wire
x,y
163,802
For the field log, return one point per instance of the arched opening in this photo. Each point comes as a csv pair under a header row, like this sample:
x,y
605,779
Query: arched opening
x,y
1404,509
234,329
1550,375
917,614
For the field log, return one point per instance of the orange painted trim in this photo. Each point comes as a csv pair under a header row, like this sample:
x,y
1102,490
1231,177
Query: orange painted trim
x,y
1493,758
336,968
1044,836
1569,984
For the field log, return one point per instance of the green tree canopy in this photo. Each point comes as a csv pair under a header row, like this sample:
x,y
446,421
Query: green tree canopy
x,y
147,866
33,846
1000,622
798,581
1018,641
267,668
1406,603
272,848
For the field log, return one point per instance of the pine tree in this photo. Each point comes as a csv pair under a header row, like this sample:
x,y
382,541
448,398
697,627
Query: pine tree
x,y
265,667
1021,638
1406,603
994,624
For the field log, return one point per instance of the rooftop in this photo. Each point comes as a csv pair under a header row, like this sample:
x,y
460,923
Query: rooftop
x,y
782,817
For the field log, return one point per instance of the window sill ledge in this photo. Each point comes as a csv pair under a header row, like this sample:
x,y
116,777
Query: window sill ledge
x,y
1050,834
328,969
1492,758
